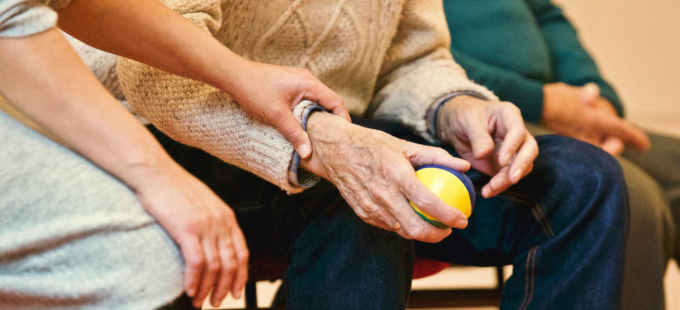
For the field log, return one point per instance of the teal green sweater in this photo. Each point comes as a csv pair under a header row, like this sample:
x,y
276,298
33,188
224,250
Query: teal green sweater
x,y
514,47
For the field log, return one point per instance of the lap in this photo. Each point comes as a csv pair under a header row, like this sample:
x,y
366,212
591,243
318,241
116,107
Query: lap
x,y
66,221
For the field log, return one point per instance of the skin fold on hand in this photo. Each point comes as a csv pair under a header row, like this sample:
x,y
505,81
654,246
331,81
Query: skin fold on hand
x,y
375,174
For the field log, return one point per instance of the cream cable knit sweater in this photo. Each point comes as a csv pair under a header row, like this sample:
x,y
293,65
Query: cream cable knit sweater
x,y
387,59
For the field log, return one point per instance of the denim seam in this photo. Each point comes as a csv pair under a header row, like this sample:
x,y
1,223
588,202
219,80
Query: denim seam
x,y
540,217
535,211
530,275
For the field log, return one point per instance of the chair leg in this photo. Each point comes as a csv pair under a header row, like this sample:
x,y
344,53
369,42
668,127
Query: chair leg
x,y
500,278
251,295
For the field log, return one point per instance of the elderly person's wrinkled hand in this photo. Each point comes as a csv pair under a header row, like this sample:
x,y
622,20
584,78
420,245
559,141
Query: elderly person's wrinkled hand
x,y
374,173
581,113
491,135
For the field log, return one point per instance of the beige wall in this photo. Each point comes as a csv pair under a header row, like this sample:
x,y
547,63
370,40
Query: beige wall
x,y
637,45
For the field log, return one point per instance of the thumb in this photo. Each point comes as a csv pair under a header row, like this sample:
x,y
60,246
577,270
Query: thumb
x,y
612,145
624,130
480,139
328,99
589,94
289,127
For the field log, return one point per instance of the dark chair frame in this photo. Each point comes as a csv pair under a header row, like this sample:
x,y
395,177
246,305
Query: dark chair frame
x,y
419,299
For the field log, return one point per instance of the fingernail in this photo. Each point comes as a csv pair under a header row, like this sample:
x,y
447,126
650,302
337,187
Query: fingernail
x,y
460,223
506,159
191,292
517,175
304,151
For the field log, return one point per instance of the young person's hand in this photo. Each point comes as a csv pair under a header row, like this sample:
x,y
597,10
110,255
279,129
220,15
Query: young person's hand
x,y
374,173
269,93
580,113
491,135
174,44
70,103
203,226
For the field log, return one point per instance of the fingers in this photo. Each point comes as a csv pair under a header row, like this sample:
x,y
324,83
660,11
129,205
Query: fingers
x,y
285,122
226,272
589,94
612,145
624,130
515,138
420,155
412,226
525,157
210,271
242,259
498,183
192,251
478,134
429,203
373,207
329,100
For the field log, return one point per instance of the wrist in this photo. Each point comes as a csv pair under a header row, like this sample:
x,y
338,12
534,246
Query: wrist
x,y
139,174
229,73
444,124
324,130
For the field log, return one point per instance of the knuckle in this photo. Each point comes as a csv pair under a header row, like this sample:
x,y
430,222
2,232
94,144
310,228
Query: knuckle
x,y
213,265
416,231
228,212
245,258
219,216
195,225
196,263
382,196
230,267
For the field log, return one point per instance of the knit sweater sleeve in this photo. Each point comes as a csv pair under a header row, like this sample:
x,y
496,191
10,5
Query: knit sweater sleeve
x,y
418,68
20,18
201,116
572,63
525,93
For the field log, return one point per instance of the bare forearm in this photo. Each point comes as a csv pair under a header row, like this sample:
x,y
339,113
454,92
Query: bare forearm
x,y
149,32
44,78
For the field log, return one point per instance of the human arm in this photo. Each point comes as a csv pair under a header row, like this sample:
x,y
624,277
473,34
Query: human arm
x,y
581,113
202,116
375,174
65,99
151,33
572,64
419,71
525,93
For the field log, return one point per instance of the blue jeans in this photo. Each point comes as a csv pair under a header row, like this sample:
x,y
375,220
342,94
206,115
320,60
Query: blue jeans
x,y
562,227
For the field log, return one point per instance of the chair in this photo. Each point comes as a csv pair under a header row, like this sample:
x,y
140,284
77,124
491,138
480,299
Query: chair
x,y
272,268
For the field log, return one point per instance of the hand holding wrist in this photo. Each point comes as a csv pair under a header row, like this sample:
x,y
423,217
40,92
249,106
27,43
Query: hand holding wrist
x,y
374,172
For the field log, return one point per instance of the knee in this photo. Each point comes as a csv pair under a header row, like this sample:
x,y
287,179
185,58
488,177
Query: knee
x,y
577,162
587,179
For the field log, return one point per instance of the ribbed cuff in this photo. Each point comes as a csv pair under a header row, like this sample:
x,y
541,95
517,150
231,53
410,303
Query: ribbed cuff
x,y
299,177
527,95
433,111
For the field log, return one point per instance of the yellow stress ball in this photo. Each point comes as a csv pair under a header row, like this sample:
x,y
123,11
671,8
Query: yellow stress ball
x,y
451,186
